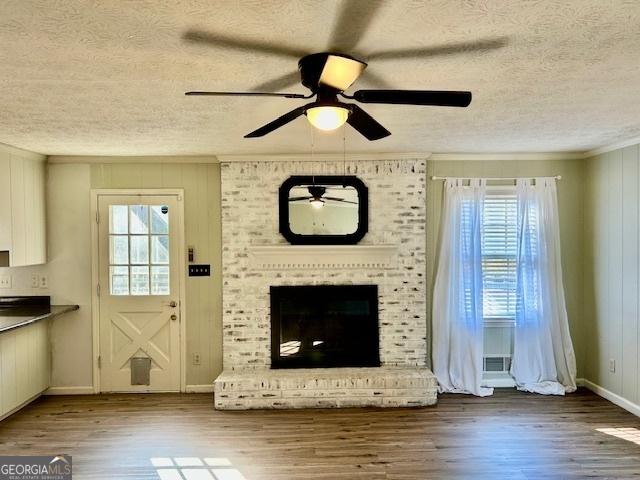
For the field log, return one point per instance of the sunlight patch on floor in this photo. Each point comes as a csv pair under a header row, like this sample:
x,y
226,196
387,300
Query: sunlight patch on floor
x,y
195,468
629,433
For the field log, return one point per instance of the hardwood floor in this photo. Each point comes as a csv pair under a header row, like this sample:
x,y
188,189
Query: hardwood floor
x,y
510,435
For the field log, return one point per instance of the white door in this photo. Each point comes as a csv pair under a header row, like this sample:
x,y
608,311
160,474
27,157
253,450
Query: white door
x,y
139,292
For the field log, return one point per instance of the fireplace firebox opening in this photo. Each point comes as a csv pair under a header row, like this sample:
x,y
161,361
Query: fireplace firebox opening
x,y
324,326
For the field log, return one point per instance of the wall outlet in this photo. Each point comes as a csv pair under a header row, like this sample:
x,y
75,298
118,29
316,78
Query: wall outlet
x,y
5,281
196,359
35,280
612,365
44,281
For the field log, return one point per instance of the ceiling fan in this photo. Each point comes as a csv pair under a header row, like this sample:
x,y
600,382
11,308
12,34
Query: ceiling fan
x,y
317,197
328,74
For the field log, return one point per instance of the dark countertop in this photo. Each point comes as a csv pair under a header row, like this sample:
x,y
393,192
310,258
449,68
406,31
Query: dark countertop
x,y
19,316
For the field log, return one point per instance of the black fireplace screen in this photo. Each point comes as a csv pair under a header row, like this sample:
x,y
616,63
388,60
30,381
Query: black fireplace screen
x,y
324,326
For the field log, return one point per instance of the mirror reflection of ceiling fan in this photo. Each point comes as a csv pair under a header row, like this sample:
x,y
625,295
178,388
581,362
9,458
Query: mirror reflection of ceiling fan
x,y
328,74
317,197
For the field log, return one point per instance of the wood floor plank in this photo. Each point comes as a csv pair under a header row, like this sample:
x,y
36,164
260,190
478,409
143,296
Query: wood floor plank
x,y
511,435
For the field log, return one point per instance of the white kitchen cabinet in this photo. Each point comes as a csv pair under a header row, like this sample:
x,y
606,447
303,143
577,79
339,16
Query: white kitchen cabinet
x,y
24,365
22,208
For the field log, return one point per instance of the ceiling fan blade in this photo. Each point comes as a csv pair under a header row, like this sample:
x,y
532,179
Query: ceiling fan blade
x,y
484,45
366,125
414,97
297,199
335,199
353,21
245,94
277,123
246,45
280,83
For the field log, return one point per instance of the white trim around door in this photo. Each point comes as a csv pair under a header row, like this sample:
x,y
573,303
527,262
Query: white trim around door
x,y
95,273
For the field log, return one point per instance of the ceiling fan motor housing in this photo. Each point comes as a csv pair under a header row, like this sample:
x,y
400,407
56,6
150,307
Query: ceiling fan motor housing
x,y
316,191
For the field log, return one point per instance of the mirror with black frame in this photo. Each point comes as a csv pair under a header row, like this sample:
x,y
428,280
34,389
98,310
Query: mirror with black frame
x,y
323,209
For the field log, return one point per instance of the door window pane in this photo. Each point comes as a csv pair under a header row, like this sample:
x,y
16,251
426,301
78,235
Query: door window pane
x,y
159,219
160,249
139,218
118,221
119,280
139,249
160,280
140,280
133,231
119,249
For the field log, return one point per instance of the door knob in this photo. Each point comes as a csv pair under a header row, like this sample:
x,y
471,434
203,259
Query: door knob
x,y
173,317
173,304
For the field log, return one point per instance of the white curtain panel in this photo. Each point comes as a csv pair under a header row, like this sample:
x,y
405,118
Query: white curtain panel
x,y
457,298
543,357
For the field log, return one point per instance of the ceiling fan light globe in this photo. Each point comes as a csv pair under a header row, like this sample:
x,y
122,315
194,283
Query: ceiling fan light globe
x,y
316,203
327,118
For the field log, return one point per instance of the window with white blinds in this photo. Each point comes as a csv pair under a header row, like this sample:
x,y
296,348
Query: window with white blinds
x,y
499,253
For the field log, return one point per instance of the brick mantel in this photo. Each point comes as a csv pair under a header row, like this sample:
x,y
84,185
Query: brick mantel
x,y
291,257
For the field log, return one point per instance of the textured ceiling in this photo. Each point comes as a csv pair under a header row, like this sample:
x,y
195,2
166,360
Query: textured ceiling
x,y
106,77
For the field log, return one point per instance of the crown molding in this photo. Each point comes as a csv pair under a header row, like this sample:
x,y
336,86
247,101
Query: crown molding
x,y
318,157
134,159
614,146
19,152
324,157
506,156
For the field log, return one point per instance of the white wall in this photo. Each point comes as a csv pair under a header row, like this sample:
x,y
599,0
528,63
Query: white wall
x,y
602,279
69,269
612,274
69,275
201,184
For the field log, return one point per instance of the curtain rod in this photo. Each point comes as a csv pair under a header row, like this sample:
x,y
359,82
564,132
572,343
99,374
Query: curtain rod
x,y
557,177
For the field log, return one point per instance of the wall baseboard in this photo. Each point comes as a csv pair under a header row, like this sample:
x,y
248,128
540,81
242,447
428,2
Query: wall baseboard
x,y
22,405
88,390
609,395
81,390
206,388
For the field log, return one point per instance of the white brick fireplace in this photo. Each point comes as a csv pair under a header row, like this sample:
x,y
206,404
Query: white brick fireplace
x,y
392,255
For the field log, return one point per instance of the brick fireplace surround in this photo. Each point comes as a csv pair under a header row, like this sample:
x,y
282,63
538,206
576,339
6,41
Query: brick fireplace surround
x,y
255,257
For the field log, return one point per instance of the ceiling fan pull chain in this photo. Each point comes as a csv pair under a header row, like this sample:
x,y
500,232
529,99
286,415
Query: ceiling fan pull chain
x,y
344,155
311,131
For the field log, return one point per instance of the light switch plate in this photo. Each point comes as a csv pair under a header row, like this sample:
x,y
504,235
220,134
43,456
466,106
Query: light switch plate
x,y
199,270
5,281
